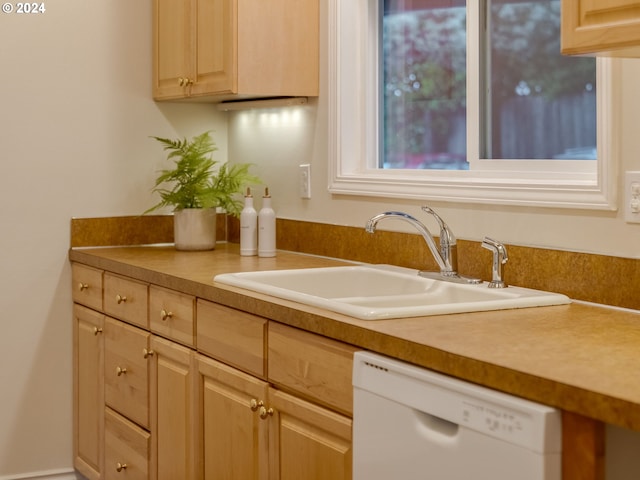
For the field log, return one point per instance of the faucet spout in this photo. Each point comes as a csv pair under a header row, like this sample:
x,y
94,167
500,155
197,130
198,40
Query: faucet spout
x,y
445,267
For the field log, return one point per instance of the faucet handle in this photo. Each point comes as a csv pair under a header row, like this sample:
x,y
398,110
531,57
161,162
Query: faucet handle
x,y
446,235
448,247
500,257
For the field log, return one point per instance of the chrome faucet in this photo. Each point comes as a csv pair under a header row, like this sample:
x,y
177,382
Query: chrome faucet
x,y
445,268
445,256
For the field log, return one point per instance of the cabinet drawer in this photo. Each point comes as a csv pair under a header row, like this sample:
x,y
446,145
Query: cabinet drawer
x,y
126,448
126,299
86,286
232,336
171,314
314,366
126,370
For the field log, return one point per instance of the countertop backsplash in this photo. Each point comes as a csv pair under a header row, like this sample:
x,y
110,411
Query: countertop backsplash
x,y
581,276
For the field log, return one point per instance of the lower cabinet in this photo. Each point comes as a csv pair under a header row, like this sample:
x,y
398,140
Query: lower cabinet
x,y
311,382
274,404
252,431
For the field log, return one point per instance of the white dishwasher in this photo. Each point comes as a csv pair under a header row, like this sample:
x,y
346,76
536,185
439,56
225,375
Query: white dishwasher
x,y
410,423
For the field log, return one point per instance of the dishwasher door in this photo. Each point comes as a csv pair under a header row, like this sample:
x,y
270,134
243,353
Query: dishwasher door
x,y
410,423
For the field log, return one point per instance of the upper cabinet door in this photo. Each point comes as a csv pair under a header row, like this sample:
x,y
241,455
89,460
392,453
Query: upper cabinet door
x,y
172,31
278,45
216,47
601,27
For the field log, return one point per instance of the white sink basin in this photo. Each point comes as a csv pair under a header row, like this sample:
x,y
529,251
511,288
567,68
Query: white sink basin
x,y
373,292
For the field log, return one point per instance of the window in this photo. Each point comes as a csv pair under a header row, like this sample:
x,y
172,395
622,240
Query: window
x,y
422,85
409,127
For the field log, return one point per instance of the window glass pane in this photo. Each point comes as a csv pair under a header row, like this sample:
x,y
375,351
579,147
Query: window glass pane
x,y
423,84
542,105
538,104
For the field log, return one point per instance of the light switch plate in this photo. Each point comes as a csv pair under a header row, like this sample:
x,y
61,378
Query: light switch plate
x,y
305,180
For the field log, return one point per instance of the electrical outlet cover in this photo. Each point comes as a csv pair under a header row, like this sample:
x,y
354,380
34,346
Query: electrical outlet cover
x,y
632,197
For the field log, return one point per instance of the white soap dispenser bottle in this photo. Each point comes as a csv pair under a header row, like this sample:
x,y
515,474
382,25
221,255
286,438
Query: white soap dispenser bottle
x,y
248,227
266,228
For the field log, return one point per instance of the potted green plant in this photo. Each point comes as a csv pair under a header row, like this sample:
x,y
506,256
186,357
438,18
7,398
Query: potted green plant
x,y
194,188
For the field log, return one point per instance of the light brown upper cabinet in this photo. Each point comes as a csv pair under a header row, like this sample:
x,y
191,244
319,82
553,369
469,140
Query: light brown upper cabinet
x,y
601,27
214,50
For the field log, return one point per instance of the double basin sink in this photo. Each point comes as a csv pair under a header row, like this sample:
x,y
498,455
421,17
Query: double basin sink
x,y
376,292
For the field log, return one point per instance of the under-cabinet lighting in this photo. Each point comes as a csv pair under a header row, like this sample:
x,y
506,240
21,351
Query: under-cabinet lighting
x,y
264,103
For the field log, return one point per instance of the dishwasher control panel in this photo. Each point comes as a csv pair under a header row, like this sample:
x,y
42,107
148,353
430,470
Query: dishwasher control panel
x,y
494,419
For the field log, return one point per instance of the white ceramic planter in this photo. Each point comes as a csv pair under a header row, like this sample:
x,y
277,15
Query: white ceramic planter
x,y
195,229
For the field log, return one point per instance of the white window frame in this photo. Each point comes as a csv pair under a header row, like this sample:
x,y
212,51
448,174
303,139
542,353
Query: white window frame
x,y
353,134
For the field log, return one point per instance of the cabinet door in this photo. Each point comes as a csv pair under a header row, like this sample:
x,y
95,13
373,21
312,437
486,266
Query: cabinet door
x,y
172,411
172,47
278,47
88,391
611,27
233,436
308,441
216,47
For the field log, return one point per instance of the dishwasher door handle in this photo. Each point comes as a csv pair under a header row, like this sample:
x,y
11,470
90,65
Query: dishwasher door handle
x,y
436,428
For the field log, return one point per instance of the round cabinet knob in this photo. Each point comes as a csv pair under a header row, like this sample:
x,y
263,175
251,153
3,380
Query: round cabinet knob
x,y
121,371
255,404
83,286
147,353
96,330
264,412
165,315
120,467
121,299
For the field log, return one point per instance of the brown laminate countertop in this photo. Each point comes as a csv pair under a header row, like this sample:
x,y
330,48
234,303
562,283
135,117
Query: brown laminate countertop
x,y
580,358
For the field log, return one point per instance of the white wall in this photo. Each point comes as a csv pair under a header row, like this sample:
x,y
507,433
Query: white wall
x,y
261,138
75,119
